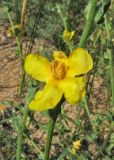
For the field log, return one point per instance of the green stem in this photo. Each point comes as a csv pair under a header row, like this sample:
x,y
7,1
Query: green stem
x,y
19,44
83,39
22,127
89,23
111,59
17,38
22,80
88,113
111,64
68,118
36,147
111,73
49,138
20,134
16,2
70,45
53,114
61,15
29,97
65,117
102,148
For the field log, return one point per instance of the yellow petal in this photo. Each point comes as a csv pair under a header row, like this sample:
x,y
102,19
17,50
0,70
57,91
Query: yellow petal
x,y
47,98
68,36
73,89
59,56
38,67
77,144
79,62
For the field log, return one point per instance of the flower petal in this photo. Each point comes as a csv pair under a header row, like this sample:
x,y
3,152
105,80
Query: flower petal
x,y
60,56
73,88
38,67
46,98
68,36
79,62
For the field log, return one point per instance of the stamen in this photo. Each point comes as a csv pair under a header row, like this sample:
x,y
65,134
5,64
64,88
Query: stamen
x,y
58,70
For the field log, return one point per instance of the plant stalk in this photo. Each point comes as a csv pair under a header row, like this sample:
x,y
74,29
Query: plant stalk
x,y
85,34
53,114
111,64
88,113
49,137
17,10
20,134
29,97
89,23
111,58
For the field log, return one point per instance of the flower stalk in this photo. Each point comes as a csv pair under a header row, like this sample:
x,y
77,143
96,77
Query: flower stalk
x,y
85,34
49,137
20,134
88,113
17,10
111,65
61,15
53,114
29,97
111,59
89,22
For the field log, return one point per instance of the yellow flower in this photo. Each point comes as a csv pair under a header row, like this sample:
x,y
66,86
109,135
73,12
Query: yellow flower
x,y
17,28
76,146
68,36
60,77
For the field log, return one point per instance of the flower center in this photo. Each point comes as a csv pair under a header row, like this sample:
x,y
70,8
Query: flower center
x,y
58,70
